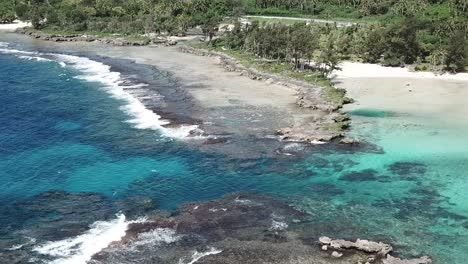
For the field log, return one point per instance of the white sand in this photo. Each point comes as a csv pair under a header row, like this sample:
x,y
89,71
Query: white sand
x,y
365,70
13,26
423,94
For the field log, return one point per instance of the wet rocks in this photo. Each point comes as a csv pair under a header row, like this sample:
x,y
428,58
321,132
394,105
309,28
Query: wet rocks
x,y
238,228
394,260
367,246
375,250
308,133
59,214
349,141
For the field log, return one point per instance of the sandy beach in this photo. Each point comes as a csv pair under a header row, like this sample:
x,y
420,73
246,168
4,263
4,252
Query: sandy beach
x,y
399,90
224,103
13,26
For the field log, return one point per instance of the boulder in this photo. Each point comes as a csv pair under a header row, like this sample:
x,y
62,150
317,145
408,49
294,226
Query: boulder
x,y
367,246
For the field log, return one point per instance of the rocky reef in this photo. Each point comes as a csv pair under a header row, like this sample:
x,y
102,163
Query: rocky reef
x,y
239,228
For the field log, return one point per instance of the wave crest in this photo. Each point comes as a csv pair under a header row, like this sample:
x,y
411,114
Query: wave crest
x,y
113,83
80,249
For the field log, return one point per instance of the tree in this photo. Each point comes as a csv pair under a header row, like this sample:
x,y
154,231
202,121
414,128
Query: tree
x,y
374,45
302,43
456,52
402,46
329,58
7,11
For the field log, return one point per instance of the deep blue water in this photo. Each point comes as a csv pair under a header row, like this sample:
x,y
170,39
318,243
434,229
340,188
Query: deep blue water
x,y
60,132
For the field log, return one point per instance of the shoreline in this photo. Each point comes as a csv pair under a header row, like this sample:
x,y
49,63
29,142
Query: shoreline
x,y
196,86
323,115
423,96
234,114
309,114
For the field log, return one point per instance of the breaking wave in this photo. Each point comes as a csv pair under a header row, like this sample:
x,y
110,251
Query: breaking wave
x,y
113,83
80,249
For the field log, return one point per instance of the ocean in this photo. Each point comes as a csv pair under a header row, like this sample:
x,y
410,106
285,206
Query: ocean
x,y
80,159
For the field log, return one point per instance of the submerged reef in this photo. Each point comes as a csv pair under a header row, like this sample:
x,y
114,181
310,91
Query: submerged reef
x,y
239,228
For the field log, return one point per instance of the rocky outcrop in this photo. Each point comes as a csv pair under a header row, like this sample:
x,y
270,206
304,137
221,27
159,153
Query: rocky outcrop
x,y
324,114
239,228
367,246
376,250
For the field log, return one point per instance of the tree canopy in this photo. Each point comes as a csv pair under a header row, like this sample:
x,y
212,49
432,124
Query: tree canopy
x,y
392,32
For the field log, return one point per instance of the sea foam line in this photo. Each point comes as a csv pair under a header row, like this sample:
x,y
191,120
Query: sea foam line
x,y
196,256
80,249
142,117
97,72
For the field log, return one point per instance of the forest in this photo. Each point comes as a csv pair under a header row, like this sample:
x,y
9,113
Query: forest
x,y
432,34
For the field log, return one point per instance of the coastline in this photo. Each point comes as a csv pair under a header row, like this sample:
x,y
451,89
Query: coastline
x,y
317,122
424,95
311,118
187,78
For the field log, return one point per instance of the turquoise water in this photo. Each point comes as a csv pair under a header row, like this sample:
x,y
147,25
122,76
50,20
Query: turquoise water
x,y
60,132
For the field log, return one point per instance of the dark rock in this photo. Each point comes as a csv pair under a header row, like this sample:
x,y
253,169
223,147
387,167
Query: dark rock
x,y
365,175
406,168
327,189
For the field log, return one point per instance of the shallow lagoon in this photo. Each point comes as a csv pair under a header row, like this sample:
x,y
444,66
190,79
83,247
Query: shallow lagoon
x,y
63,133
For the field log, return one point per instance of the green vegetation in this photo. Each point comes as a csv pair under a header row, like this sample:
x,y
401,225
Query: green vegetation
x,y
282,68
429,33
7,11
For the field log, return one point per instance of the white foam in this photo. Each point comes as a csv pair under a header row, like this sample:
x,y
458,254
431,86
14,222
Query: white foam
x,y
317,142
157,236
366,70
93,71
142,118
15,51
80,249
196,256
278,225
34,58
214,210
20,246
